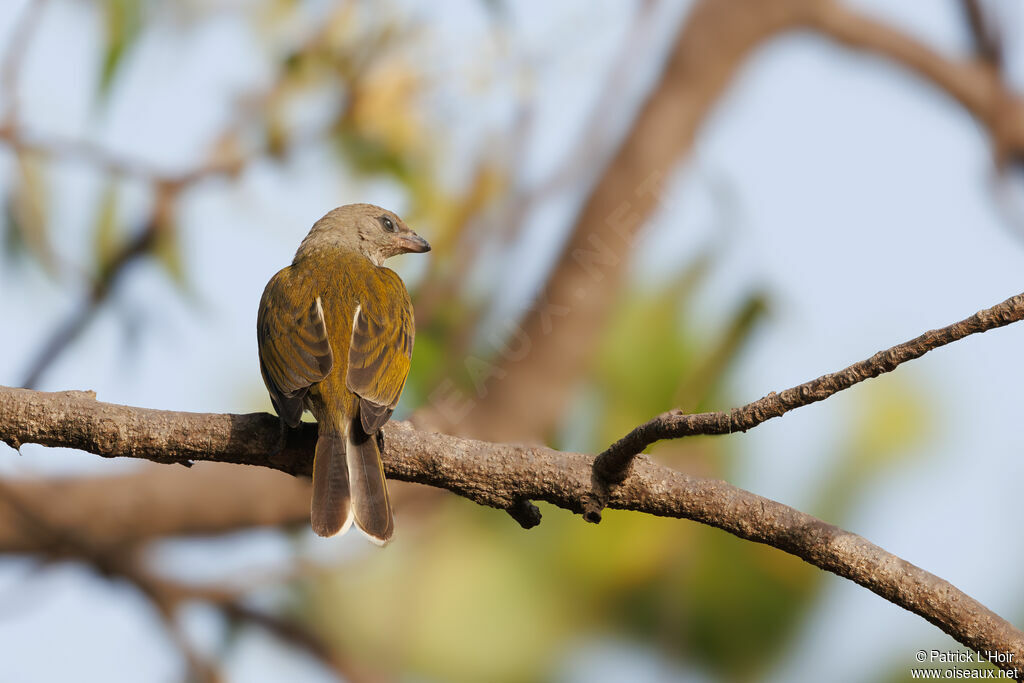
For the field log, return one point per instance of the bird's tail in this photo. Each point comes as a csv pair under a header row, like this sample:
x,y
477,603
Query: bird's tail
x,y
331,509
370,504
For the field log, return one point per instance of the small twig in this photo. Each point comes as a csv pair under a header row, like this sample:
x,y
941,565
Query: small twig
x,y
613,464
59,340
988,44
166,602
229,601
524,512
101,289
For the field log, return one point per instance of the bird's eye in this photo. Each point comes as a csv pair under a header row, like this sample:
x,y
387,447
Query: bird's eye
x,y
389,225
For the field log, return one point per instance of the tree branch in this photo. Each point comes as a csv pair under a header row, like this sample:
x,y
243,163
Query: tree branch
x,y
121,510
988,42
15,136
612,466
501,475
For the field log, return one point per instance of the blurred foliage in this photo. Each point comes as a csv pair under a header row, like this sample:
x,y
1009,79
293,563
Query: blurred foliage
x,y
105,234
167,244
27,232
123,24
888,424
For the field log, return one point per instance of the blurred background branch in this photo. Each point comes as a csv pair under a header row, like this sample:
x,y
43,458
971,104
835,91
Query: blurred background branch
x,y
976,84
574,303
988,43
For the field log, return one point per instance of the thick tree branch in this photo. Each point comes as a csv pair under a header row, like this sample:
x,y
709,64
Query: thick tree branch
x,y
612,466
501,475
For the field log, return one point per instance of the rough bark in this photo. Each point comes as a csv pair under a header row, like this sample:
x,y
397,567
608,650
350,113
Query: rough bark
x,y
612,465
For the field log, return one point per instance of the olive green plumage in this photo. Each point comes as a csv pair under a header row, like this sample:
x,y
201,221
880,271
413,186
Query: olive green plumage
x,y
335,333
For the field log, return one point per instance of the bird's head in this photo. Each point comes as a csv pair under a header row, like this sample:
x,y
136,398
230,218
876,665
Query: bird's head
x,y
376,233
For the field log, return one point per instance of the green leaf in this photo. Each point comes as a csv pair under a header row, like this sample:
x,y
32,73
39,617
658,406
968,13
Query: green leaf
x,y
644,354
167,252
707,374
734,606
105,241
13,245
369,157
28,220
123,19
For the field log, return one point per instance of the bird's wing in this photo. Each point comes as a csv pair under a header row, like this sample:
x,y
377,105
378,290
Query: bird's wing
x,y
381,350
294,350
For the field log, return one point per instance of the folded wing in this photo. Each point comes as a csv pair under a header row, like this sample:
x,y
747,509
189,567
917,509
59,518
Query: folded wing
x,y
293,347
380,353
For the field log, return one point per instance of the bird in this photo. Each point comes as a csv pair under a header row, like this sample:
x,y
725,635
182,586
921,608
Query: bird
x,y
335,334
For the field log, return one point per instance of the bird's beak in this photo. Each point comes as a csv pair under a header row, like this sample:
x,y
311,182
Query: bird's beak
x,y
410,242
